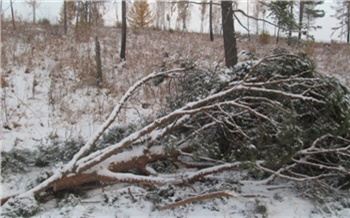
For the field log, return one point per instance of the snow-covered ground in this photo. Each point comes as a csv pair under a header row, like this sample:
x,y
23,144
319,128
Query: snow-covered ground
x,y
46,97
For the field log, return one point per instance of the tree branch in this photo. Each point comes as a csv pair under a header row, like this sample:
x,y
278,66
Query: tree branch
x,y
199,198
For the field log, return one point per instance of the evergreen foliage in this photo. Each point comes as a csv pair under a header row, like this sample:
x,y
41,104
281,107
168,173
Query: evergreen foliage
x,y
20,207
19,160
308,13
293,123
15,160
279,11
140,14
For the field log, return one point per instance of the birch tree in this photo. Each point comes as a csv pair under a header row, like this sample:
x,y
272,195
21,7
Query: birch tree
x,y
160,14
203,12
184,14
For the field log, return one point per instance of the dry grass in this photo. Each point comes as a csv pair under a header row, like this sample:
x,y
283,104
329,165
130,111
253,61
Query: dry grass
x,y
69,59
264,38
4,84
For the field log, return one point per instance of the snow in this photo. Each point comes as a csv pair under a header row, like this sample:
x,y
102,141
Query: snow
x,y
34,120
280,203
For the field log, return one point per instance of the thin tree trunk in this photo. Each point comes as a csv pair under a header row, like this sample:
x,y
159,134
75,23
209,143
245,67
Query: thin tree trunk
x,y
77,20
211,21
348,22
98,63
116,13
301,14
34,14
123,42
65,15
90,12
248,21
291,11
228,34
12,15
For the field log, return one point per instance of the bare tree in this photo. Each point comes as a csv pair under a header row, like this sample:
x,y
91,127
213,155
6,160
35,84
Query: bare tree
x,y
256,13
34,4
12,15
183,8
203,12
160,14
342,14
65,16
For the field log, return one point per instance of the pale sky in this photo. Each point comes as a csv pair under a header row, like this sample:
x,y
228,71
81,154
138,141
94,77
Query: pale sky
x,y
50,9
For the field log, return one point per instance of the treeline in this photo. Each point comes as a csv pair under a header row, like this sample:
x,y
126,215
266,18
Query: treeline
x,y
291,16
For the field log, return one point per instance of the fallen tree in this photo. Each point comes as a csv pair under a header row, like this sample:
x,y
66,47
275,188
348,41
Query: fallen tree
x,y
276,115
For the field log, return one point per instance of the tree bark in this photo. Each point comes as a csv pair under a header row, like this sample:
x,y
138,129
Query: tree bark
x,y
65,16
211,21
348,22
123,42
291,11
34,4
228,34
98,63
34,19
12,15
248,24
77,15
301,15
90,20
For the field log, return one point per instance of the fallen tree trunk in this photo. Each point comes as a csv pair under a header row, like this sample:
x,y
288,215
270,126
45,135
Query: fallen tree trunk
x,y
222,108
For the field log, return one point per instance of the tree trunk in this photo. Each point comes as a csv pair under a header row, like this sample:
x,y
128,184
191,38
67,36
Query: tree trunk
x,y
291,12
65,15
348,22
211,21
34,13
301,14
98,63
228,34
12,15
278,35
248,24
90,12
77,19
123,43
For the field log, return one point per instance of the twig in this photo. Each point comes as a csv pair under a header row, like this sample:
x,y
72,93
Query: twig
x,y
199,198
132,196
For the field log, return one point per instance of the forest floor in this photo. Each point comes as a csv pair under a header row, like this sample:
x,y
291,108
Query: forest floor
x,y
49,95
